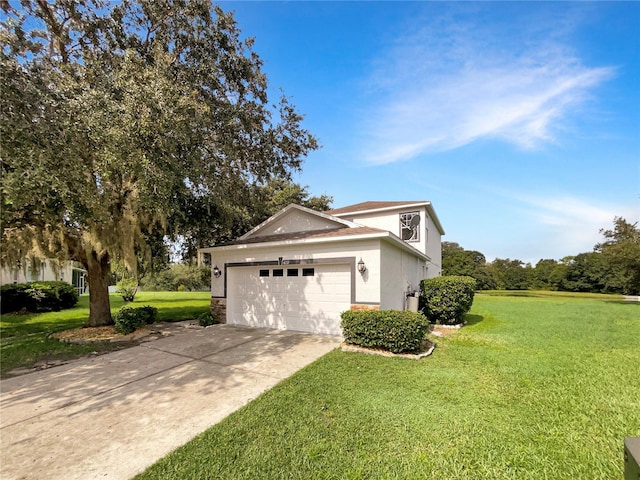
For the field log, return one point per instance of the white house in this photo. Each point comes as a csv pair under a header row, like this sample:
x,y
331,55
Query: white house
x,y
29,270
301,268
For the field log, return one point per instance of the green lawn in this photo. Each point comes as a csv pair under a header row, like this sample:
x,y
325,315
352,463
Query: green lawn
x,y
532,388
24,340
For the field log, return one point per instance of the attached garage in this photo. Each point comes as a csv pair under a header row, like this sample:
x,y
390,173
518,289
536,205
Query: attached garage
x,y
300,269
308,297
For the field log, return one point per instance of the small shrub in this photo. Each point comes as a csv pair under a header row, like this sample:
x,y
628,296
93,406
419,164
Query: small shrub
x,y
181,288
445,300
128,319
392,330
150,312
206,319
127,289
38,296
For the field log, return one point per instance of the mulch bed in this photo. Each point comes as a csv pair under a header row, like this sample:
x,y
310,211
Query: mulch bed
x,y
426,350
98,334
444,330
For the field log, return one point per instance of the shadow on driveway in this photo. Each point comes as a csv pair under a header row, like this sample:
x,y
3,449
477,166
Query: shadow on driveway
x,y
113,415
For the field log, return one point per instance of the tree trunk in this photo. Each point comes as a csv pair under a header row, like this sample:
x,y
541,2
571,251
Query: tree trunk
x,y
98,270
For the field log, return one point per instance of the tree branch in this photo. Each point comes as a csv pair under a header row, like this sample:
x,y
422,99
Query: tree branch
x,y
57,29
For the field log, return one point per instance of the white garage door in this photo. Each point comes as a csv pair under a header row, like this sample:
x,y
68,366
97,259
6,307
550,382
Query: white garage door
x,y
307,298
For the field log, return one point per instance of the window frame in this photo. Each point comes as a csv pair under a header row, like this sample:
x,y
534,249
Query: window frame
x,y
405,219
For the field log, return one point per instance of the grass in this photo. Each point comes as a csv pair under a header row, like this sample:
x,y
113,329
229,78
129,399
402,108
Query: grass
x,y
531,388
551,294
24,339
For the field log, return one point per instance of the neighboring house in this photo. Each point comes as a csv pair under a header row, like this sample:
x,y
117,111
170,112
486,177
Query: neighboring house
x,y
24,271
301,268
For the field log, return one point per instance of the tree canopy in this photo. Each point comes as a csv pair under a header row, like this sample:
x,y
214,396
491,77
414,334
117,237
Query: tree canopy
x,y
258,203
621,250
460,262
124,122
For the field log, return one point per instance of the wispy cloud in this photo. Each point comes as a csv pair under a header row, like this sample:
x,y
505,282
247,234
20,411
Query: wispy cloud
x,y
454,80
570,223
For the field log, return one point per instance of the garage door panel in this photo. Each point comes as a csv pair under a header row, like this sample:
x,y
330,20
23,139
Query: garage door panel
x,y
323,297
311,303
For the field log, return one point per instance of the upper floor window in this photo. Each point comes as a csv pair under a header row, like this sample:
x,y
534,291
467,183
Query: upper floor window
x,y
409,226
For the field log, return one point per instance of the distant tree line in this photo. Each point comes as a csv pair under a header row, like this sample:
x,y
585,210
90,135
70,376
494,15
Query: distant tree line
x,y
612,267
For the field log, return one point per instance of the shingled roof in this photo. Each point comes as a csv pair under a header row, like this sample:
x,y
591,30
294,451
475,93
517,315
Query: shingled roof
x,y
312,234
363,206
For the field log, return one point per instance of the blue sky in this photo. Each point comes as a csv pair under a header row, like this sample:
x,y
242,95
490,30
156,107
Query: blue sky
x,y
519,121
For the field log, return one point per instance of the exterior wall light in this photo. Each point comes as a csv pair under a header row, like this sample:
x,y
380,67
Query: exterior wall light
x,y
216,272
361,266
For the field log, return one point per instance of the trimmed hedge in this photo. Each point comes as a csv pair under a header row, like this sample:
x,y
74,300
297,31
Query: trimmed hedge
x,y
128,319
445,300
38,296
392,330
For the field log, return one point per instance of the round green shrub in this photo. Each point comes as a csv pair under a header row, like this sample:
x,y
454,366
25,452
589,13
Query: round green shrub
x,y
150,312
128,319
445,300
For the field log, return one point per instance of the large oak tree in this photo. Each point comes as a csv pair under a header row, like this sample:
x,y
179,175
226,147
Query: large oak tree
x,y
125,121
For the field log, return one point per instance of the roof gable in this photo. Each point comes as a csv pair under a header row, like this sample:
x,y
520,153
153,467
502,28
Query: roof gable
x,y
295,224
294,219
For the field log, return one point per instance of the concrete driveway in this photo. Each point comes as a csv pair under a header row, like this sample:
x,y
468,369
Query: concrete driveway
x,y
111,416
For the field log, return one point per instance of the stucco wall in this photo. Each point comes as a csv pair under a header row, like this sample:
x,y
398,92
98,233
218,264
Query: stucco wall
x,y
429,240
367,285
434,251
433,245
400,272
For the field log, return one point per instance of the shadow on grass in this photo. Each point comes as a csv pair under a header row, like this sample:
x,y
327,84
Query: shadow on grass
x,y
472,319
33,323
176,314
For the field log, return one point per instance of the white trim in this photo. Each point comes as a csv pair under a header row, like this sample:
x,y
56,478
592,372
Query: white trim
x,y
383,235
